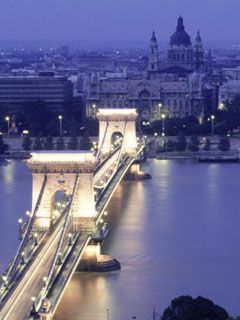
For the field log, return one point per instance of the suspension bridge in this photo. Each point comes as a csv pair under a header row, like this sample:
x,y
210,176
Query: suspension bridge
x,y
59,237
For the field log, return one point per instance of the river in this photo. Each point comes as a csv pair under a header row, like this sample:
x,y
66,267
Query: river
x,y
177,234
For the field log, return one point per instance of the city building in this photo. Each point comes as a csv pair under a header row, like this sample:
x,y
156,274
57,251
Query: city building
x,y
53,90
178,89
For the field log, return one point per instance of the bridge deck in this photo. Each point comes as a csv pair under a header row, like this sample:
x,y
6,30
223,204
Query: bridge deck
x,y
67,269
18,305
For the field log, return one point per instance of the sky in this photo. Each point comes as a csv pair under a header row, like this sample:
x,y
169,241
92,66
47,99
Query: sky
x,y
116,21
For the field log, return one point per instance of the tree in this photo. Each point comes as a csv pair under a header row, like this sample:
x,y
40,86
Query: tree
x,y
92,126
194,143
207,145
187,308
48,143
73,143
27,143
170,145
86,144
60,144
3,146
224,143
38,145
181,143
37,115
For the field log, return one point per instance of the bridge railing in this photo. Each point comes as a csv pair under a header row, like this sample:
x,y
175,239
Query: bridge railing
x,y
64,230
31,220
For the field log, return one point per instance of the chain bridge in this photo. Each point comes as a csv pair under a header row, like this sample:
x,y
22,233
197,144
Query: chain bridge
x,y
65,227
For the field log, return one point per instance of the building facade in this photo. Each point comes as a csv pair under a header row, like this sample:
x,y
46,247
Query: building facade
x,y
53,90
177,90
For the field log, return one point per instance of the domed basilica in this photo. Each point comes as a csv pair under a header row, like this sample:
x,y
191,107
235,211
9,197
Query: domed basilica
x,y
180,84
182,57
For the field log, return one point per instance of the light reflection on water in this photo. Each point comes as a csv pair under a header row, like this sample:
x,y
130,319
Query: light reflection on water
x,y
174,235
177,234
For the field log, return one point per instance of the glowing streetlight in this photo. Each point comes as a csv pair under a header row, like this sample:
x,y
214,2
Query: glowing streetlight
x,y
221,106
159,109
94,109
24,133
212,123
7,118
60,117
163,116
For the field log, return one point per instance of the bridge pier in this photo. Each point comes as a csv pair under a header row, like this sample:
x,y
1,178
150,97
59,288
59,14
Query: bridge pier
x,y
135,172
92,260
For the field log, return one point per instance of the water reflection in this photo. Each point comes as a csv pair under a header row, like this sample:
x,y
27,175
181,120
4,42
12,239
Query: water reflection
x,y
173,236
177,234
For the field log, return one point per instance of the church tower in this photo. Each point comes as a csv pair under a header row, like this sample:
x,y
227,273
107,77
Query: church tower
x,y
198,53
180,51
153,54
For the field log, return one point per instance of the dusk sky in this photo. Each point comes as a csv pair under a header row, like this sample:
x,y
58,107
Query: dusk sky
x,y
106,21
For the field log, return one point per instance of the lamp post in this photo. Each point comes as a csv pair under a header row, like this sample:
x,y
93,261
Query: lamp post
x,y
25,132
7,118
159,109
212,122
163,116
108,314
94,110
60,117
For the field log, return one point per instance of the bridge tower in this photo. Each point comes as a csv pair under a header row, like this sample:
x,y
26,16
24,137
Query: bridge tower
x,y
71,172
117,121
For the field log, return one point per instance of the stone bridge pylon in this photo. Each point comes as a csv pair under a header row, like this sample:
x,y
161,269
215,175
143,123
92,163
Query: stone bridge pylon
x,y
63,171
117,121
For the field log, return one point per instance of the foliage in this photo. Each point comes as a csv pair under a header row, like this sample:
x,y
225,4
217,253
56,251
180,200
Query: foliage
x,y
181,143
38,144
73,143
60,144
36,115
86,144
207,145
48,143
169,145
27,143
224,143
187,308
3,146
90,125
194,143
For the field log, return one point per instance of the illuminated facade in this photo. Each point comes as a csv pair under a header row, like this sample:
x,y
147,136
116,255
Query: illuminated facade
x,y
117,121
61,171
177,90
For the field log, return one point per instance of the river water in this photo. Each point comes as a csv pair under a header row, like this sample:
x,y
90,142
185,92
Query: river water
x,y
176,234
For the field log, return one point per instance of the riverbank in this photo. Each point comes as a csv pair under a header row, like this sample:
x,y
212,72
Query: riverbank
x,y
192,155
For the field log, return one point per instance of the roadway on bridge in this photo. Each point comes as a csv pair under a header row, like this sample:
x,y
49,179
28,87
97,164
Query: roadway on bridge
x,y
19,303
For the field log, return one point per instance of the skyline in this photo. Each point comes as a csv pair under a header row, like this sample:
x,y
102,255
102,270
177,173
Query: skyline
x,y
115,22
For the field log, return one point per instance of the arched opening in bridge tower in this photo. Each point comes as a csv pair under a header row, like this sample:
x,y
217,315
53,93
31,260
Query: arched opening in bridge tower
x,y
116,138
59,202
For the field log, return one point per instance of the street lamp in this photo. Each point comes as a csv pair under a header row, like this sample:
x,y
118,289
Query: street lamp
x,y
24,132
221,106
163,116
60,117
94,110
7,118
212,122
159,109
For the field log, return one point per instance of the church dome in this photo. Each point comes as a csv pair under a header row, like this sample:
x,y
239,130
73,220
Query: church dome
x,y
180,36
